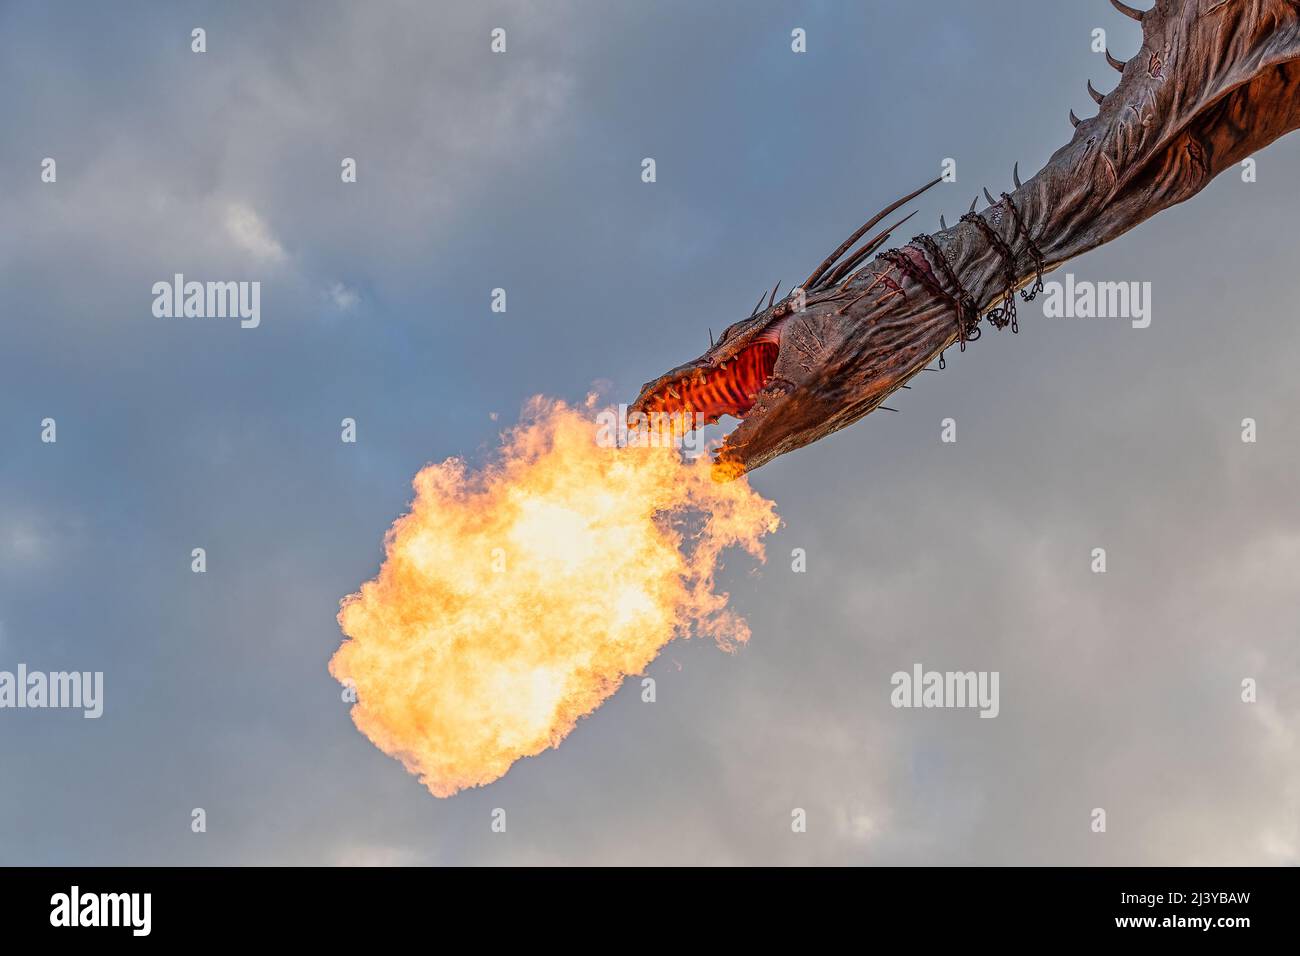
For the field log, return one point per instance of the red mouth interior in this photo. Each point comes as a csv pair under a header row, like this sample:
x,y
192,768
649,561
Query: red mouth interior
x,y
727,390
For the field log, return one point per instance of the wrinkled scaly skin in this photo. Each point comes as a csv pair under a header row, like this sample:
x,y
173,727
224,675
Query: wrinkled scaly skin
x,y
1214,82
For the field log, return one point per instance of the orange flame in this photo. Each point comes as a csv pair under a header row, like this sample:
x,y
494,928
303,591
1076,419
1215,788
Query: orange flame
x,y
515,599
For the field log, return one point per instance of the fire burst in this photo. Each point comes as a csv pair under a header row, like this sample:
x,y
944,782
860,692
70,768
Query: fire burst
x,y
515,599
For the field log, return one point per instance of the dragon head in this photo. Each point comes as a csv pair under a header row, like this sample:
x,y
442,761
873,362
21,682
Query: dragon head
x,y
781,370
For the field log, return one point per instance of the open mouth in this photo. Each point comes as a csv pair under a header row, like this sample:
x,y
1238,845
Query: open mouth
x,y
729,388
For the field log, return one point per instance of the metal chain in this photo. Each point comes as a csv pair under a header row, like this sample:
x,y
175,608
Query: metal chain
x,y
918,275
1000,318
1033,251
914,272
968,318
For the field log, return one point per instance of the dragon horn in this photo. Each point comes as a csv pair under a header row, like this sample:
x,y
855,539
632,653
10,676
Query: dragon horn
x,y
848,243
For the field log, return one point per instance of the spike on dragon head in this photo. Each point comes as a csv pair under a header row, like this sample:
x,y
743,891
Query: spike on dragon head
x,y
1214,81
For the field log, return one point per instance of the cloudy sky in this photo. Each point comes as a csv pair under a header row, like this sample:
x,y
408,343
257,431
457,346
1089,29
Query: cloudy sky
x,y
1119,690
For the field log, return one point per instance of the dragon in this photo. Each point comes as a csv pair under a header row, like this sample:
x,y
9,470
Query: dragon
x,y
1213,82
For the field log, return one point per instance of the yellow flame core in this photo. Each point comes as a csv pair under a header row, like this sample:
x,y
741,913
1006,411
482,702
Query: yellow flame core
x,y
515,599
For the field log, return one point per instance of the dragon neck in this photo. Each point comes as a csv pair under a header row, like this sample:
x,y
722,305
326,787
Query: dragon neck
x,y
1214,82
